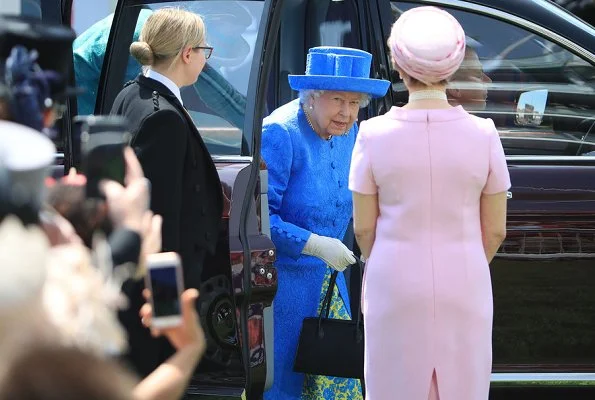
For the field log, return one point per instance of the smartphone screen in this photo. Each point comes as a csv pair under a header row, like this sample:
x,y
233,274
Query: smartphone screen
x,y
165,291
106,160
103,158
102,139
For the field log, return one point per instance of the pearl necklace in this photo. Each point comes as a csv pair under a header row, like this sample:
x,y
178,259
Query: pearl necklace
x,y
427,95
310,123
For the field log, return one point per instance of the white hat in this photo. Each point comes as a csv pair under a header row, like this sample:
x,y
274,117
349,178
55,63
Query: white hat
x,y
27,156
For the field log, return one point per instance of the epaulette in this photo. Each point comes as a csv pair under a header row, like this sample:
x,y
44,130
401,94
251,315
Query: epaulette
x,y
155,100
129,83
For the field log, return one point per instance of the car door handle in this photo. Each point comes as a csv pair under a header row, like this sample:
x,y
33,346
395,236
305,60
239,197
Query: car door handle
x,y
508,195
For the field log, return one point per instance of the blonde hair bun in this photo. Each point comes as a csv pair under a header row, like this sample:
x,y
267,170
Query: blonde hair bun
x,y
142,52
165,33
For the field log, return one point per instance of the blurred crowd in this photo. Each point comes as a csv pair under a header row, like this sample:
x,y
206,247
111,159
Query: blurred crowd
x,y
73,265
77,319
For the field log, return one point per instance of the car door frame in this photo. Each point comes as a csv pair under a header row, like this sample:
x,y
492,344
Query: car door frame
x,y
59,12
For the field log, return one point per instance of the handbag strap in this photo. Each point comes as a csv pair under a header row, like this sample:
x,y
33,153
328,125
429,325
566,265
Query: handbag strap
x,y
326,304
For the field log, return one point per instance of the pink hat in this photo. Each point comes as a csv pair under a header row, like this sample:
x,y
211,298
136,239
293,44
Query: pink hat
x,y
428,44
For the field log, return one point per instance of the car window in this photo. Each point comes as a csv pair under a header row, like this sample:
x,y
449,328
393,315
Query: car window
x,y
49,11
31,8
217,102
539,94
86,13
332,23
92,23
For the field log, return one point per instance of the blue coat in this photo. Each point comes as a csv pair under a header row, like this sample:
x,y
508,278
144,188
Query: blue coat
x,y
307,194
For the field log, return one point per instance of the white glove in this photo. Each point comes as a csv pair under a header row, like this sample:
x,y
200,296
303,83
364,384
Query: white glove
x,y
332,251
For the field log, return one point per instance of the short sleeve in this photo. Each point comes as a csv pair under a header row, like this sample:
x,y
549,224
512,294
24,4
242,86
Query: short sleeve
x,y
361,178
498,177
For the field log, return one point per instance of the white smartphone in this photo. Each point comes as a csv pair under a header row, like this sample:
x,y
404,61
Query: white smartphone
x,y
165,281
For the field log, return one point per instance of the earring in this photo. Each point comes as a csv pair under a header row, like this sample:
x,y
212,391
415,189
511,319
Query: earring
x,y
310,107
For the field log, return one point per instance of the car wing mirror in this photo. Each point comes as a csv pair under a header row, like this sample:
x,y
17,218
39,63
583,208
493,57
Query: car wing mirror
x,y
531,107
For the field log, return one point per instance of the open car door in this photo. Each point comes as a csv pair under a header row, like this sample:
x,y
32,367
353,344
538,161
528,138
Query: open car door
x,y
227,105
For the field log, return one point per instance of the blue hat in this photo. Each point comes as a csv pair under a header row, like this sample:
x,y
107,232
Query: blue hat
x,y
340,69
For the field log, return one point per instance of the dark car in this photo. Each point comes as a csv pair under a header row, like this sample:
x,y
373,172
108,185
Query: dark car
x,y
584,9
541,63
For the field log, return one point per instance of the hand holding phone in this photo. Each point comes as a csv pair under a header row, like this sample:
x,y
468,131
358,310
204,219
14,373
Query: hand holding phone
x,y
102,139
165,282
189,333
128,206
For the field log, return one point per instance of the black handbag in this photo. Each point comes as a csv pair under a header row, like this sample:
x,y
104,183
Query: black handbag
x,y
331,347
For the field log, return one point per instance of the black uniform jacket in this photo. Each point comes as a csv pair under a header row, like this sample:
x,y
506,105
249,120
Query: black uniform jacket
x,y
185,186
185,190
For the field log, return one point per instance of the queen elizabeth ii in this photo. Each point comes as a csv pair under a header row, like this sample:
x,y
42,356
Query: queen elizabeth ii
x,y
307,145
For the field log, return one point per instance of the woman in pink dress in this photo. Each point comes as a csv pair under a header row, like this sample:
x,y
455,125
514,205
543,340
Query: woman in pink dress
x,y
429,183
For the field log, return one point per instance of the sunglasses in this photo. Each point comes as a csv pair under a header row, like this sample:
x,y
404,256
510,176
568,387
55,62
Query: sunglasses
x,y
207,50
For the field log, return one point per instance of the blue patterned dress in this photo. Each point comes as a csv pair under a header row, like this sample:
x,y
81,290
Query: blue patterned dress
x,y
307,194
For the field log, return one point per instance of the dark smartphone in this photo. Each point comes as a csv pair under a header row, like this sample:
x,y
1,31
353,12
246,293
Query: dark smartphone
x,y
101,123
102,142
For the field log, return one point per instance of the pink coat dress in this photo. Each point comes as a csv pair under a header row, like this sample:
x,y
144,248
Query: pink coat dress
x,y
427,296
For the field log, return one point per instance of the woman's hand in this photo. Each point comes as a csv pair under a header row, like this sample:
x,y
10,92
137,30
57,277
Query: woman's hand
x,y
330,250
189,334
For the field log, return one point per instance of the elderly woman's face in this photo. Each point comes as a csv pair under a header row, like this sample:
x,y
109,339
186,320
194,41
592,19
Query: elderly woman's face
x,y
334,113
469,85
